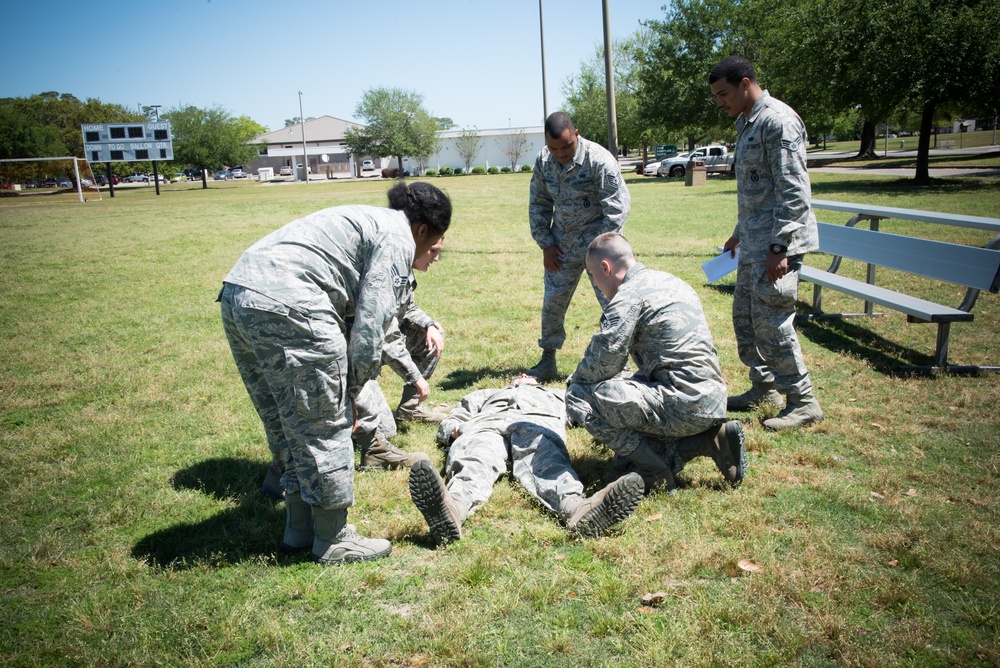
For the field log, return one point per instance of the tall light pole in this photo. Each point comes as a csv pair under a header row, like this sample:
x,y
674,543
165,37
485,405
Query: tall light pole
x,y
305,154
609,84
541,32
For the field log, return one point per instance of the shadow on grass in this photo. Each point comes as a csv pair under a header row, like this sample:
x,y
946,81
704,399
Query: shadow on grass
x,y
847,338
904,186
251,529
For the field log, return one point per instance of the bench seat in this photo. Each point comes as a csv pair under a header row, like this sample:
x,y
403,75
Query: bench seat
x,y
919,309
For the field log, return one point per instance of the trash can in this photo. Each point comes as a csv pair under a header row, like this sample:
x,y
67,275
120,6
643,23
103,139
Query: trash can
x,y
695,173
265,173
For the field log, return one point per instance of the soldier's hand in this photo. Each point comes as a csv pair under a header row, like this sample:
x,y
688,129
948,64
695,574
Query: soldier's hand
x,y
435,340
731,244
552,258
423,389
777,266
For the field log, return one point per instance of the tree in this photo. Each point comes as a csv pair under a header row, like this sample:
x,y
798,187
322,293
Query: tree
x,y
673,72
587,102
512,146
396,124
209,138
468,145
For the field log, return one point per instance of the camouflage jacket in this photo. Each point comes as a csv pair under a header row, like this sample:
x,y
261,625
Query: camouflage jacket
x,y
571,205
657,319
349,265
395,353
772,182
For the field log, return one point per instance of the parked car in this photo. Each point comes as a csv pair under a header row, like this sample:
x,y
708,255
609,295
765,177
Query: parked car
x,y
192,173
285,171
222,175
367,166
237,172
715,157
136,178
651,169
148,178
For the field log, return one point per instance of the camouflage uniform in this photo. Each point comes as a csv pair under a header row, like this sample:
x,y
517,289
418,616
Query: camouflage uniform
x,y
677,389
305,310
522,424
405,352
774,195
568,207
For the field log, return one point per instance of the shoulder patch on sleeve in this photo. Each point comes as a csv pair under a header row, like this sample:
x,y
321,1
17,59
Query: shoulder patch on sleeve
x,y
791,145
610,322
614,179
397,279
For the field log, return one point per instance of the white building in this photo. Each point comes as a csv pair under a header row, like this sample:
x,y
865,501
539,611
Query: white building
x,y
328,154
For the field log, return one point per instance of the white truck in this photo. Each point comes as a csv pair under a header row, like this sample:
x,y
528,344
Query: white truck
x,y
715,157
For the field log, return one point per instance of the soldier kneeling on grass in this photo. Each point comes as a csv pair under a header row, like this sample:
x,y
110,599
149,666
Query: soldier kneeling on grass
x,y
673,408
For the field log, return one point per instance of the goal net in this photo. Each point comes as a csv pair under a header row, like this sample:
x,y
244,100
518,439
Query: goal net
x,y
67,178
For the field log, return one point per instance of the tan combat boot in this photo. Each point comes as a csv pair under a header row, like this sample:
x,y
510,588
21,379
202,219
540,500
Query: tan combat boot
x,y
443,513
546,369
411,410
593,516
800,411
338,542
378,454
724,444
298,525
759,393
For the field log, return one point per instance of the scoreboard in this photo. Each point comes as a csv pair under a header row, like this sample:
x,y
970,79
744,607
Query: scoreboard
x,y
127,142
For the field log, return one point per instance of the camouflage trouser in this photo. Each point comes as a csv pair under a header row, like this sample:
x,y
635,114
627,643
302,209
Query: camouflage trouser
x,y
624,413
374,411
536,448
559,288
764,322
294,368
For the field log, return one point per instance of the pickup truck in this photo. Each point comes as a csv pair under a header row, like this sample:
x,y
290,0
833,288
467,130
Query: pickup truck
x,y
715,157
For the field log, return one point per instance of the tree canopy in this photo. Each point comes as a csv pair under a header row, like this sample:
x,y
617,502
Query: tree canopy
x,y
209,138
396,124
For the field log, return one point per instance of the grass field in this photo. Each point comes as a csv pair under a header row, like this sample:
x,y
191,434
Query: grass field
x,y
136,533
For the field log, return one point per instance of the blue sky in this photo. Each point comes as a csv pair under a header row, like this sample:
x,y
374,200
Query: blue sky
x,y
474,61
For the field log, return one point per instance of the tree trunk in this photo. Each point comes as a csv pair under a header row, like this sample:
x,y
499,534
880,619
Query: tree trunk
x,y
204,178
923,175
867,140
401,172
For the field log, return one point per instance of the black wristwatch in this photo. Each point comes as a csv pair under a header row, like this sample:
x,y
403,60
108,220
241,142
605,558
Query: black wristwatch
x,y
778,249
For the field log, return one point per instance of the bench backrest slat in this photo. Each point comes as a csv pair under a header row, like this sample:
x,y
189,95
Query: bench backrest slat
x,y
959,220
964,265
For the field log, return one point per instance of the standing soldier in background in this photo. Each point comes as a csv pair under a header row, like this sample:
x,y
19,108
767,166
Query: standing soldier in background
x,y
577,192
672,409
305,311
775,227
412,348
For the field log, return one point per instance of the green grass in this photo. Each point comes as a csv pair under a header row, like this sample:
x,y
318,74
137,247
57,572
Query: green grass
x,y
136,534
979,138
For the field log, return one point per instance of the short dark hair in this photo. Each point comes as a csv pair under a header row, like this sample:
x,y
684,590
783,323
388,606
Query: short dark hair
x,y
733,69
422,203
557,123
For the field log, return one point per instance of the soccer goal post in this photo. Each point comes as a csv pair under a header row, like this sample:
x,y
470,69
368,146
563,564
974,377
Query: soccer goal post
x,y
48,176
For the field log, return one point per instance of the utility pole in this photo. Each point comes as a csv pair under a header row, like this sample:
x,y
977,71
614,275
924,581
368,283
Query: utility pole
x,y
541,31
305,153
609,84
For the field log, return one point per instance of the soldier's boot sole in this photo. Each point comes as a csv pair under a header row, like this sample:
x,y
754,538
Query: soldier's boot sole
x,y
608,507
432,499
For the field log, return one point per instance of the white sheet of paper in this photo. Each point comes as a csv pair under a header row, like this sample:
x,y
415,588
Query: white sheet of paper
x,y
721,265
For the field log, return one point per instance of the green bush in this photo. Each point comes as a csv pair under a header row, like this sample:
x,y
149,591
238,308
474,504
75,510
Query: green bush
x,y
478,170
525,168
505,170
431,172
458,171
493,170
446,171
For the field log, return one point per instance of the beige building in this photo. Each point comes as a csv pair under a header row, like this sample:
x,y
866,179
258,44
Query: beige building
x,y
327,153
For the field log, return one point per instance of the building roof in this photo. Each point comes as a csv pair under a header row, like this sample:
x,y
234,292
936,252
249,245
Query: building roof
x,y
321,129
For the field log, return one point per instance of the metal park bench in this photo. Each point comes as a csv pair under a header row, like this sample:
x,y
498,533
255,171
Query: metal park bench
x,y
974,268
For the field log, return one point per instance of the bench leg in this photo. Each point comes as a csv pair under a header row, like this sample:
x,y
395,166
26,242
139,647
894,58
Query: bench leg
x,y
817,299
941,353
